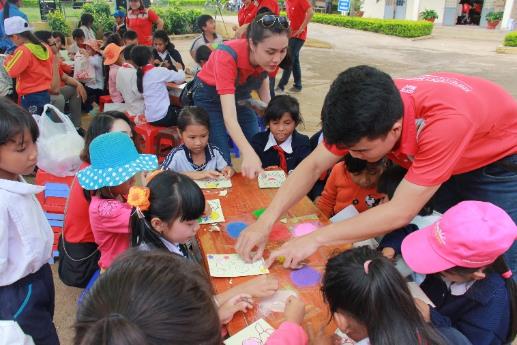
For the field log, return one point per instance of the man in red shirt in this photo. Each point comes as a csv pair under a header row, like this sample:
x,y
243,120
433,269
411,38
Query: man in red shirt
x,y
299,13
456,134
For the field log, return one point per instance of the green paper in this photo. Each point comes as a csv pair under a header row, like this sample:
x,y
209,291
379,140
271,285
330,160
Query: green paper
x,y
258,213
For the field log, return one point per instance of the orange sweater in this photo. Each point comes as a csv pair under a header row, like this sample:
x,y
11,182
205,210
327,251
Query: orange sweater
x,y
31,65
340,191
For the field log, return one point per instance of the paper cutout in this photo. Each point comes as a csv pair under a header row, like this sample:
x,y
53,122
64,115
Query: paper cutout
x,y
279,232
305,277
217,213
304,229
214,183
235,228
417,292
255,334
271,179
346,213
231,265
343,338
257,213
275,303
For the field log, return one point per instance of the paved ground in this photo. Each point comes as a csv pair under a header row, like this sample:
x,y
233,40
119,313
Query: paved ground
x,y
463,49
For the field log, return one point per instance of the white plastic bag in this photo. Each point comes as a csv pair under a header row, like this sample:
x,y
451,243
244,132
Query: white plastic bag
x,y
59,144
83,70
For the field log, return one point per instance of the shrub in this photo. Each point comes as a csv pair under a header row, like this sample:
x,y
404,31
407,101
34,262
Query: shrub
x,y
393,27
101,11
511,39
494,16
178,21
428,14
57,22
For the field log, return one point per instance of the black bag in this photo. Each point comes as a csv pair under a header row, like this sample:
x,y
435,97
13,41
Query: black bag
x,y
187,94
77,262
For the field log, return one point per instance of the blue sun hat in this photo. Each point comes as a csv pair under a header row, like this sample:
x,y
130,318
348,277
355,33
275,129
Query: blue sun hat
x,y
114,160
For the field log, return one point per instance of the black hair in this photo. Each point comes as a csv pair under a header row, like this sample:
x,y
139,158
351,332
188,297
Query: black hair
x,y
390,180
6,8
14,121
149,298
112,38
140,55
43,35
127,51
193,116
172,196
78,33
86,20
162,35
500,267
101,124
141,7
279,105
379,298
61,36
130,35
202,20
203,53
363,102
28,35
356,165
258,32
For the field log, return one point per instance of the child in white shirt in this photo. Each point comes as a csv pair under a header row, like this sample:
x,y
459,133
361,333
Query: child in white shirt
x,y
126,85
26,285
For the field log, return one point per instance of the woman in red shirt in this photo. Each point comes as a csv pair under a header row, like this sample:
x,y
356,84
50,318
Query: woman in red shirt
x,y
233,70
141,20
79,259
247,12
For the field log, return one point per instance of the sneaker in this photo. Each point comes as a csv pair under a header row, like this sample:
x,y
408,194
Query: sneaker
x,y
279,91
295,89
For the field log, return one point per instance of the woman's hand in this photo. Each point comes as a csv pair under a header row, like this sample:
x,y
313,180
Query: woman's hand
x,y
253,237
241,302
251,165
260,287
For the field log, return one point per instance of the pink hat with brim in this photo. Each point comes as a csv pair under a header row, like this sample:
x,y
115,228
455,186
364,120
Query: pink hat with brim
x,y
472,234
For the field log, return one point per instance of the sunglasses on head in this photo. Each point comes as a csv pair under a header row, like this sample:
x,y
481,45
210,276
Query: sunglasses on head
x,y
269,20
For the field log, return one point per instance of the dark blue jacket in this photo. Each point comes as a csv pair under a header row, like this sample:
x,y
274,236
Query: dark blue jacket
x,y
300,145
482,314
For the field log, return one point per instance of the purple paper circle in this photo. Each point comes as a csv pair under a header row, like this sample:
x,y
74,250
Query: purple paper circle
x,y
305,277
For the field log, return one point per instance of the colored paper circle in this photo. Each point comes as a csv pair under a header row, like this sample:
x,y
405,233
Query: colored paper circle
x,y
235,228
279,232
304,229
305,277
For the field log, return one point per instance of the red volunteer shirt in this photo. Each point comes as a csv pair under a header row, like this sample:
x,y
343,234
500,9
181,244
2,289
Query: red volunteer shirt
x,y
296,12
141,21
221,70
271,4
247,13
452,124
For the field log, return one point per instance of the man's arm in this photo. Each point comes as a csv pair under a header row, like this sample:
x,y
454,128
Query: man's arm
x,y
297,185
408,200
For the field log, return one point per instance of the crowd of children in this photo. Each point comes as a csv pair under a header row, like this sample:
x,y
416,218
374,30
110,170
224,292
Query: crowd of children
x,y
138,225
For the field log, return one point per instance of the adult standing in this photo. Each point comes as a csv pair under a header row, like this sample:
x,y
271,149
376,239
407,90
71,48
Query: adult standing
x,y
256,8
299,13
11,9
231,73
456,134
141,20
247,12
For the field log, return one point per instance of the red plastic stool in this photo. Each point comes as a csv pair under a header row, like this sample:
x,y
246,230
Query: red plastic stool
x,y
156,140
103,100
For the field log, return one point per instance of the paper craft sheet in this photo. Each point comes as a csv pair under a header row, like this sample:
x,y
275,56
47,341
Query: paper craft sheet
x,y
255,334
271,179
216,216
348,212
231,265
214,183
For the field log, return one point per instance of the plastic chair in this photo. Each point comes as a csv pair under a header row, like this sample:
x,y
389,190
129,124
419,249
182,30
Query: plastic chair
x,y
103,100
156,140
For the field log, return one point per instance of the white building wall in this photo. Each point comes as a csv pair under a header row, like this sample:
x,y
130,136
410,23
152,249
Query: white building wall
x,y
437,5
374,8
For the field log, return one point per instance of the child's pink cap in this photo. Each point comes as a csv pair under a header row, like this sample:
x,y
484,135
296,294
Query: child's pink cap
x,y
472,234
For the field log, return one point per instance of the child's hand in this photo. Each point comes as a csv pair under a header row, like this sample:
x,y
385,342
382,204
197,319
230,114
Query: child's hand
x,y
424,309
272,167
241,302
320,338
157,62
294,310
259,287
389,253
179,67
211,174
228,171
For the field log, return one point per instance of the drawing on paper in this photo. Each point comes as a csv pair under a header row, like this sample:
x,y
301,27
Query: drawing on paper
x,y
255,334
214,183
216,216
271,179
231,265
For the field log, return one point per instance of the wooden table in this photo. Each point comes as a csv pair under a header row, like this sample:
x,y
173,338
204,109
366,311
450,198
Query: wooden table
x,y
242,198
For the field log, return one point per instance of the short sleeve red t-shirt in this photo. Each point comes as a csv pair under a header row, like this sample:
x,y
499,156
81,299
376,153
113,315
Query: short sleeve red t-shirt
x,y
296,12
141,21
452,124
247,13
271,4
221,69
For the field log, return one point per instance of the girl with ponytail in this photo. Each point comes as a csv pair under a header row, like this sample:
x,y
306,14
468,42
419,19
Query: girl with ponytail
x,y
152,83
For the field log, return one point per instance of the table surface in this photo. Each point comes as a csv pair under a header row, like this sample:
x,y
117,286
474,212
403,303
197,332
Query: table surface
x,y
243,197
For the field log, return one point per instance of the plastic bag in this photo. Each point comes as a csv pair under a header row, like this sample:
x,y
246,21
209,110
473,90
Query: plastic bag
x,y
83,70
59,144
